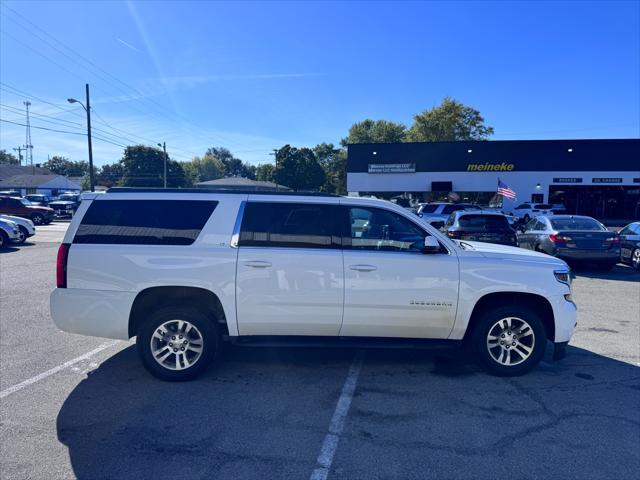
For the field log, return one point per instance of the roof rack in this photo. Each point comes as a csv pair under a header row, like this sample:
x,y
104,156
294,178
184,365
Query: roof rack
x,y
218,191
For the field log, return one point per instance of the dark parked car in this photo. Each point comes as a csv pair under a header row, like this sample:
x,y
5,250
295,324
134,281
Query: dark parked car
x,y
630,244
21,207
66,205
38,199
481,227
573,238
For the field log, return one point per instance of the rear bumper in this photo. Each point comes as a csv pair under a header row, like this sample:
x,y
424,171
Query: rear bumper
x,y
97,313
594,255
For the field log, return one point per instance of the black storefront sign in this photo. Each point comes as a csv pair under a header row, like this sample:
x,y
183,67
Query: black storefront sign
x,y
606,180
567,180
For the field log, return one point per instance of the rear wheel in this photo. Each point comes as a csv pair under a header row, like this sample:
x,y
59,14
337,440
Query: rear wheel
x,y
509,341
177,343
37,218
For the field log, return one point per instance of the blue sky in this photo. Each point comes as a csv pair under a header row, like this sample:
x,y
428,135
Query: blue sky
x,y
254,76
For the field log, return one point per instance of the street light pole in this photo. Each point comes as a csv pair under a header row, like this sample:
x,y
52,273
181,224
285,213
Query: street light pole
x,y
87,108
164,149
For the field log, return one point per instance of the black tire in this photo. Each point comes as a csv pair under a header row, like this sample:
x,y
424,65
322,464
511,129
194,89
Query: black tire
x,y
206,328
4,240
24,234
635,258
485,325
37,219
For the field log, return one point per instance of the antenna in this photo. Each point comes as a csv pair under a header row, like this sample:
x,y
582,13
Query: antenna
x,y
28,147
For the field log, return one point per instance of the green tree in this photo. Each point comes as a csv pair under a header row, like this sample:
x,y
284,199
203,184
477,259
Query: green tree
x,y
110,175
265,172
334,163
375,131
233,167
202,169
298,169
69,168
450,121
8,158
143,166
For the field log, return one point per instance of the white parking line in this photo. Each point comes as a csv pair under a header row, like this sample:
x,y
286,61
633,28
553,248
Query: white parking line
x,y
330,444
30,381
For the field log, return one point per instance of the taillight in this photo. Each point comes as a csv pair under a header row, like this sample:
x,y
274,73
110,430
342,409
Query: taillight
x,y
456,233
61,265
612,240
559,238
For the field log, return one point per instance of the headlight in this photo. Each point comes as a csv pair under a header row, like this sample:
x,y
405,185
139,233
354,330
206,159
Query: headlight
x,y
563,276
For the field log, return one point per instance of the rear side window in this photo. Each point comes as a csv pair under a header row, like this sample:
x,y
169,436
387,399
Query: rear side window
x,y
144,222
427,208
292,225
488,222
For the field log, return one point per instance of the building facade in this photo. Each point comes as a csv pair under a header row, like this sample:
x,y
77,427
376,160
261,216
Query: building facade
x,y
600,178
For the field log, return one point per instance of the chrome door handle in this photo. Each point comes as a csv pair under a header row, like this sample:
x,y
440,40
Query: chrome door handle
x,y
257,264
363,268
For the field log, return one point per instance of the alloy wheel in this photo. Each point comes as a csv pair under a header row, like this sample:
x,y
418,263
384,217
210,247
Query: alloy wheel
x,y
510,341
635,259
176,344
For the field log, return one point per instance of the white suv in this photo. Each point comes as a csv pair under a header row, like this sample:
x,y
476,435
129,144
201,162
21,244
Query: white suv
x,y
183,270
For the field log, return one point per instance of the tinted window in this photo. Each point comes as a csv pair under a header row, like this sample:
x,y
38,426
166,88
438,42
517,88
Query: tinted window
x,y
427,208
298,225
576,224
487,222
452,208
144,222
378,229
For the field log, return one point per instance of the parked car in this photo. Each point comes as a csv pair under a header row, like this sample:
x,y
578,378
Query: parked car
x,y
437,214
630,245
9,233
573,238
10,193
21,207
66,205
526,211
26,228
38,199
185,269
559,209
480,226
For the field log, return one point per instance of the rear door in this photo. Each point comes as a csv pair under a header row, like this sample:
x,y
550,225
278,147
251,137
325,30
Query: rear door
x,y
392,289
290,278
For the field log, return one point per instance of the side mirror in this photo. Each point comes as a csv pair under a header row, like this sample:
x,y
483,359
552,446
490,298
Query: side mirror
x,y
431,245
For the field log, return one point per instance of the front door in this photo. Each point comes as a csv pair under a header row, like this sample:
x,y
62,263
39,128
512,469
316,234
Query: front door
x,y
290,278
392,289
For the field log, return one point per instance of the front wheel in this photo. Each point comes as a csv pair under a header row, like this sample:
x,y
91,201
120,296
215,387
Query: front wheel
x,y
635,259
177,343
4,240
509,341
22,234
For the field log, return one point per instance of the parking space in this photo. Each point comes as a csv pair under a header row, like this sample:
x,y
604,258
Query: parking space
x,y
79,407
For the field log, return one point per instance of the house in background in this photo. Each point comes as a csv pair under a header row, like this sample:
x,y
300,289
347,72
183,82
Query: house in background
x,y
241,183
47,184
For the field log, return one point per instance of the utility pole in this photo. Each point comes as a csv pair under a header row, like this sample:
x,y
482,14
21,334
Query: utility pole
x,y
19,150
164,149
275,172
28,147
87,109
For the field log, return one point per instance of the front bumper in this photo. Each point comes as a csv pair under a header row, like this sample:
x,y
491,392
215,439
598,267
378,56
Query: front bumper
x,y
565,314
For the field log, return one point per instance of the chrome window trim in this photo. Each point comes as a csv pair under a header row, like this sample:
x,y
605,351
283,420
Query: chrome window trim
x,y
235,236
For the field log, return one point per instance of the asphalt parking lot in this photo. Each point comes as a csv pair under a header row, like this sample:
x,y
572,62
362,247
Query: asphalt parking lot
x,y
79,407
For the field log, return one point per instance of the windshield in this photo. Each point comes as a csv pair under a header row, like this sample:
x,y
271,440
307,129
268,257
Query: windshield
x,y
577,224
488,222
26,202
68,198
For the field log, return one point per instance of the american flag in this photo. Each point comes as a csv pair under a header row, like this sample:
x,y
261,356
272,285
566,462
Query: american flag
x,y
505,190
